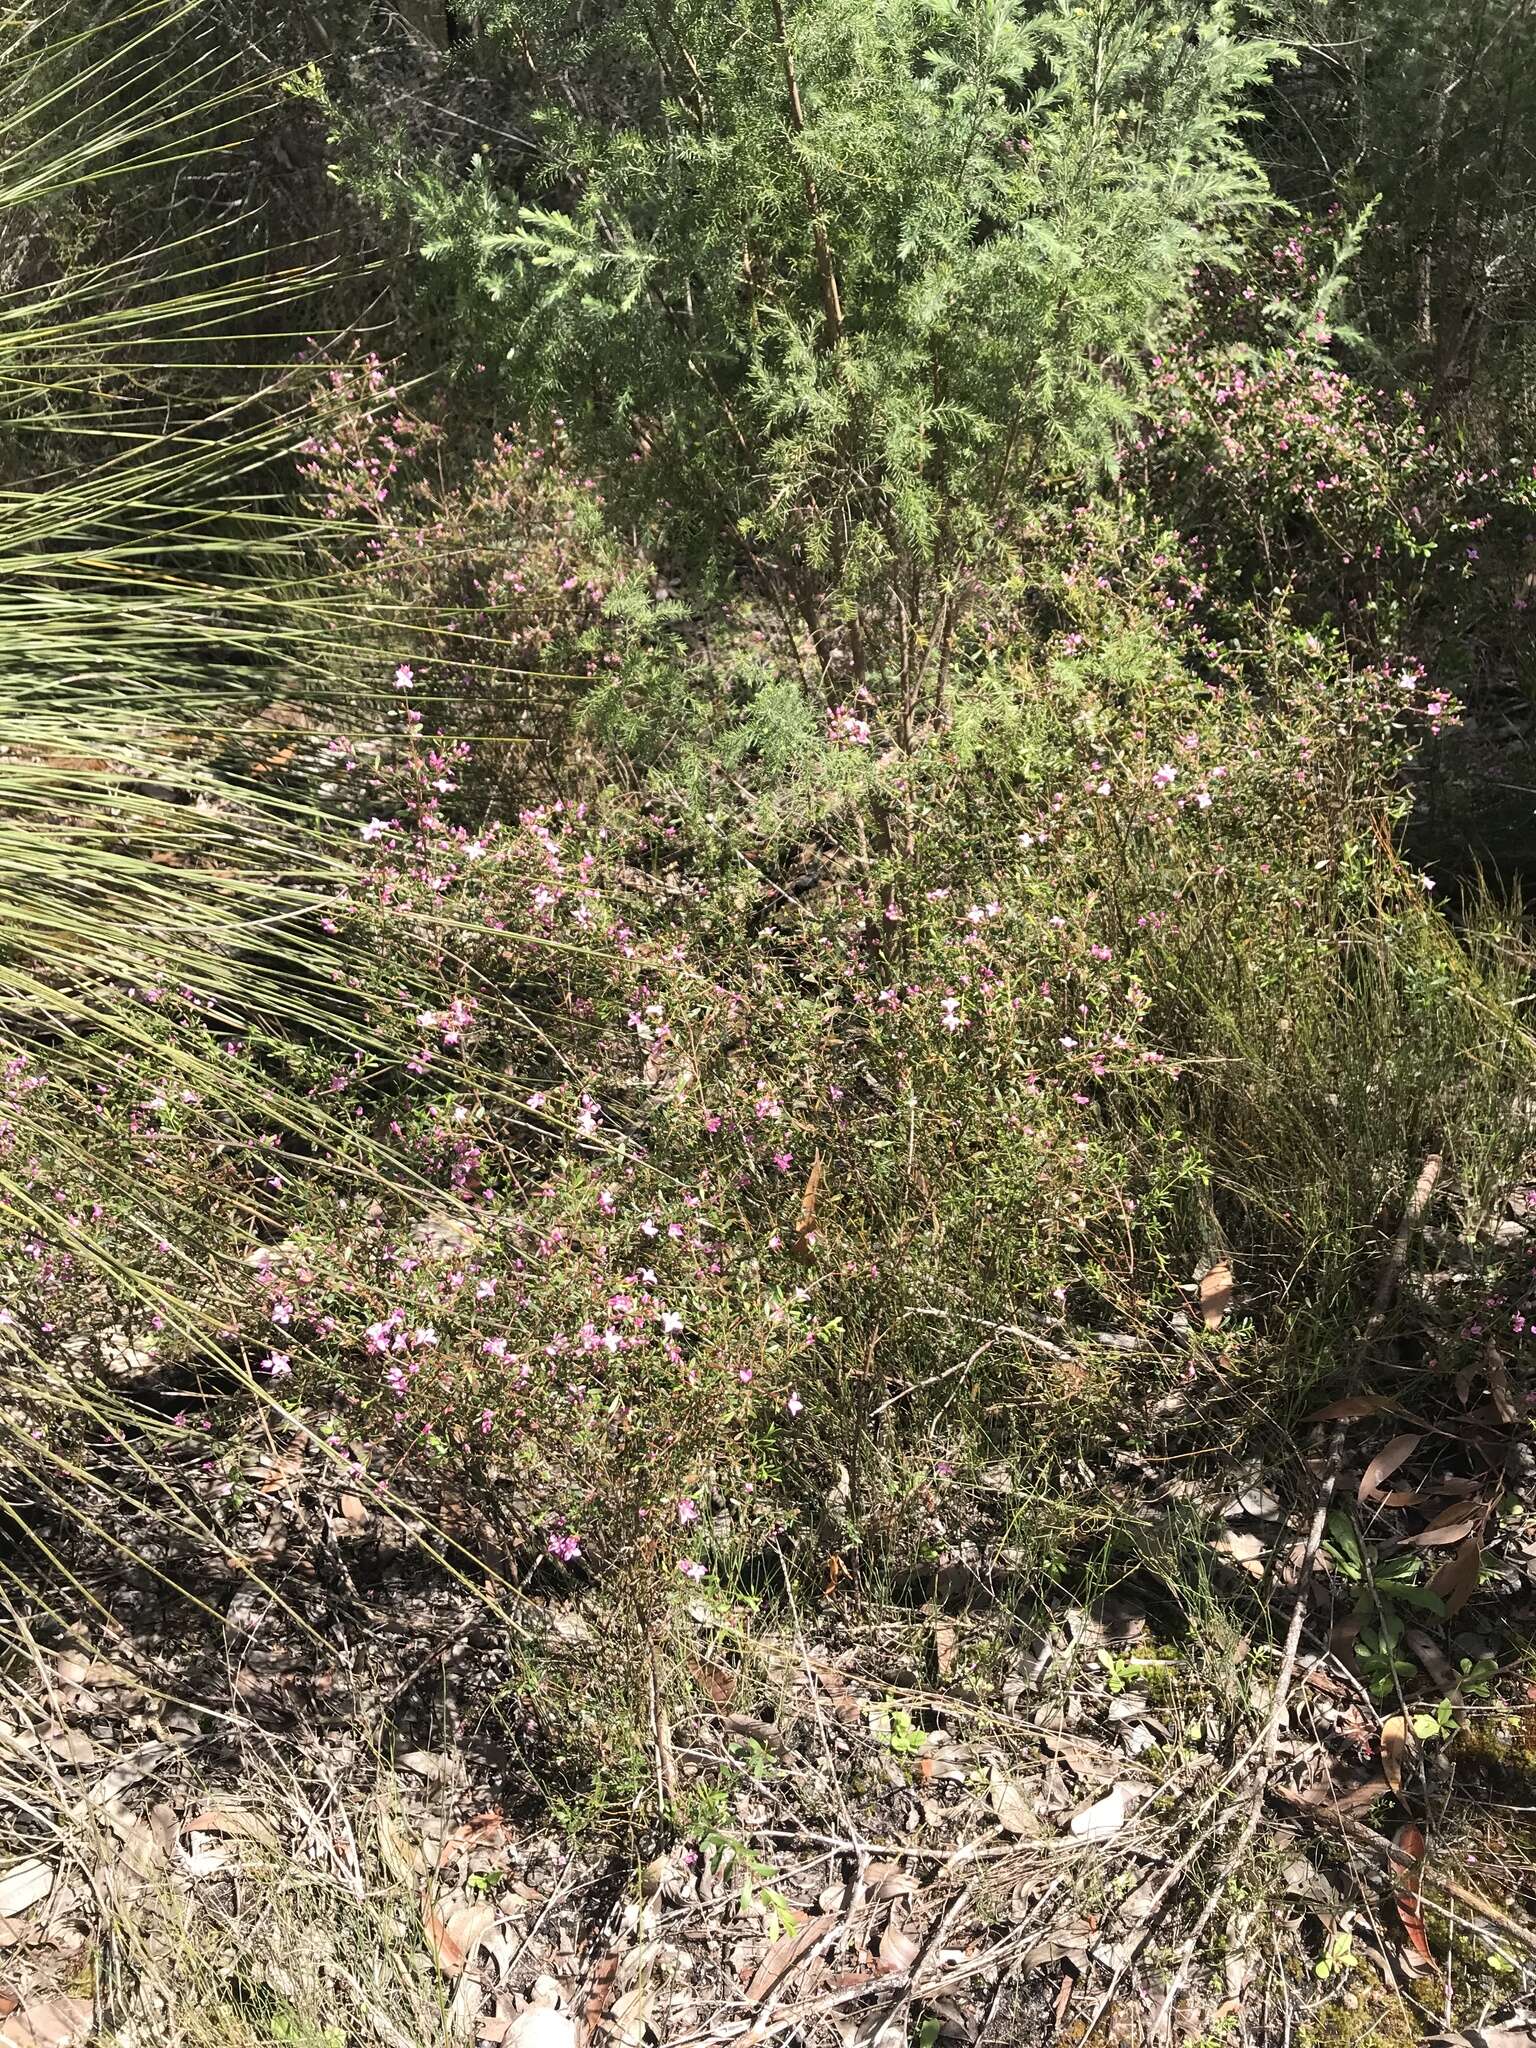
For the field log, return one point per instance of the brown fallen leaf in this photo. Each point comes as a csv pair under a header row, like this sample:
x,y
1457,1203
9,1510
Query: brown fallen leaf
x,y
802,1238
1506,1407
716,1683
1396,1748
594,2007
23,1884
58,2022
1438,1668
1353,1408
454,1940
1104,1818
1384,1464
1456,1580
70,1746
1214,1294
887,1881
785,1953
232,1820
1452,1525
629,2017
1015,1815
1408,1850
946,1650
898,1950
1324,1797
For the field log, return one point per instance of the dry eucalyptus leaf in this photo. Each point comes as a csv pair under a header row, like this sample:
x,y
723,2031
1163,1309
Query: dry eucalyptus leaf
x,y
785,1953
630,2015
23,1884
1353,1408
1456,1580
1106,1816
454,1940
58,2022
232,1820
70,1746
1506,1406
1452,1525
1215,1294
1068,1943
1396,1742
540,2026
1385,1463
898,1950
1244,1548
946,1649
436,1769
1014,1813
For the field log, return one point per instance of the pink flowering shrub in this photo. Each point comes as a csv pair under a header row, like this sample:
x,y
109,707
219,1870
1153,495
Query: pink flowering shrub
x,y
1028,1041
492,564
1297,472
739,1077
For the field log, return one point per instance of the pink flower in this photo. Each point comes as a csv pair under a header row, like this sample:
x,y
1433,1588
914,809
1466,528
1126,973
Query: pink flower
x,y
687,1511
278,1363
564,1548
690,1568
405,675
794,1404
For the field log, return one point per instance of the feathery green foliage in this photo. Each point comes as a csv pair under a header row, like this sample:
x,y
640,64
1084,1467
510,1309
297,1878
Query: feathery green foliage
x,y
828,290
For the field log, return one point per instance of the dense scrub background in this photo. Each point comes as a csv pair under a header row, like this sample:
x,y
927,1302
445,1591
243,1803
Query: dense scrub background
x,y
691,817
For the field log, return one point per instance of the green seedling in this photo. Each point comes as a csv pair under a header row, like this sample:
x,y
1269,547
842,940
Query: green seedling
x,y
1338,1958
895,1730
1378,1653
1123,1671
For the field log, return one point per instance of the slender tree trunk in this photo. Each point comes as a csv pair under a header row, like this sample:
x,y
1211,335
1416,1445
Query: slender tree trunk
x,y
831,298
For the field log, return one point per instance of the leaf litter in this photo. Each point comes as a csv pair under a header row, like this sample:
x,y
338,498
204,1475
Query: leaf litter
x,y
884,1847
